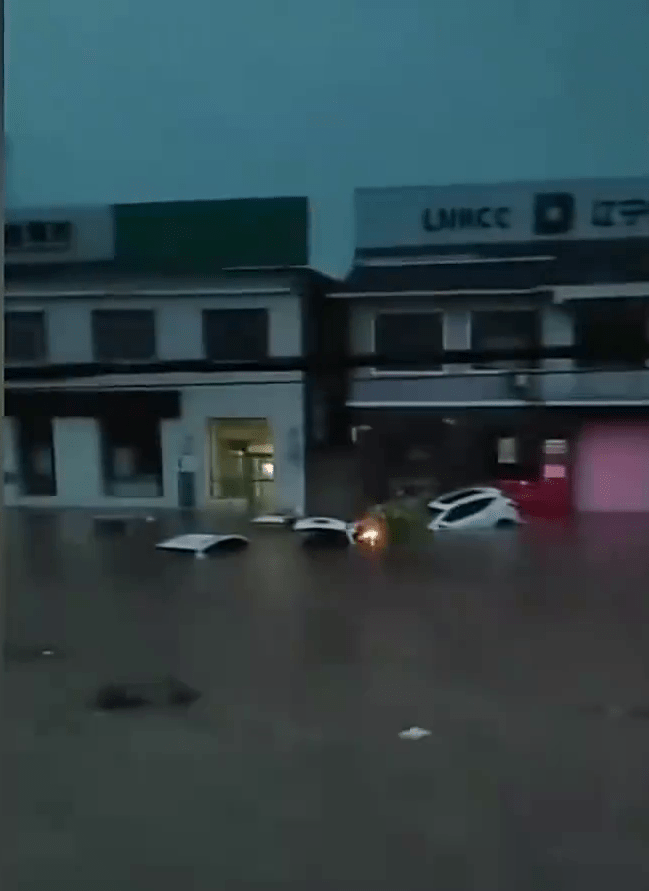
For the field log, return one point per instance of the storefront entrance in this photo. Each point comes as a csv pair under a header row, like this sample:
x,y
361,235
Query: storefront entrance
x,y
241,463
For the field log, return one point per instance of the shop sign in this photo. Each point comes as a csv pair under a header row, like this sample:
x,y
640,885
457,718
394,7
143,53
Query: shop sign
x,y
619,213
458,218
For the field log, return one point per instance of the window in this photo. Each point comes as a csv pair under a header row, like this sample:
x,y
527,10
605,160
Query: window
x,y
131,456
123,334
515,455
230,335
507,450
458,496
13,237
462,511
504,330
36,456
38,235
610,329
408,335
25,337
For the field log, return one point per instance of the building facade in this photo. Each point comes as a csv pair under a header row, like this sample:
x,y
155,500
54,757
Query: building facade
x,y
127,334
509,266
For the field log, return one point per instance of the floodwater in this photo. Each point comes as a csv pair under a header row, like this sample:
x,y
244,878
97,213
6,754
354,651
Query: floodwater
x,y
525,654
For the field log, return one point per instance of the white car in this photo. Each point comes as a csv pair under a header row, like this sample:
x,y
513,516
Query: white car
x,y
325,530
328,530
479,507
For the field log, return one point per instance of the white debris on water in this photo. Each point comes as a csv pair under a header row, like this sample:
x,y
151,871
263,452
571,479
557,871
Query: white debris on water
x,y
414,733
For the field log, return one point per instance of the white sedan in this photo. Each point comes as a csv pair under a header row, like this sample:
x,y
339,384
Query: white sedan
x,y
480,507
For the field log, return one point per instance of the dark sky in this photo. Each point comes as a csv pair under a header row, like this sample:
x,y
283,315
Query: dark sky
x,y
131,100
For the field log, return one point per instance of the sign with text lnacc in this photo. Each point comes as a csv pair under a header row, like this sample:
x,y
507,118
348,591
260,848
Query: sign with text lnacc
x,y
449,215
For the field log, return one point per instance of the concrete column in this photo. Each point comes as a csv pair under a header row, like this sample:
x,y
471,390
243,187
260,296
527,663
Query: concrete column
x,y
557,329
77,459
290,493
457,334
171,441
10,464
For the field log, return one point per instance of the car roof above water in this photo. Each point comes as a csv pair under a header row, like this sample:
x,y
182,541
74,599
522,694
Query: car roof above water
x,y
463,494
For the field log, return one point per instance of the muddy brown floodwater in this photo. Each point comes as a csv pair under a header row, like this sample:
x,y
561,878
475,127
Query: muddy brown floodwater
x,y
524,653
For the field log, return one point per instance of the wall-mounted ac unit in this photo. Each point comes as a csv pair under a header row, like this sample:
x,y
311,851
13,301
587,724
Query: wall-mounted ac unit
x,y
522,385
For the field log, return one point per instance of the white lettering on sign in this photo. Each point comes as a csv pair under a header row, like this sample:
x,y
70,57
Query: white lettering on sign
x,y
466,218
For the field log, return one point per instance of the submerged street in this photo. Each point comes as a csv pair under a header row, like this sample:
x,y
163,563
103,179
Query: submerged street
x,y
525,653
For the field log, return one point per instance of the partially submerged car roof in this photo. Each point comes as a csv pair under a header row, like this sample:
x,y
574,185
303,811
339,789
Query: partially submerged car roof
x,y
461,494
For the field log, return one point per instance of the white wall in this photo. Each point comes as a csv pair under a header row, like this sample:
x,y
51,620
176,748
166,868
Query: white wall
x,y
281,403
179,332
77,457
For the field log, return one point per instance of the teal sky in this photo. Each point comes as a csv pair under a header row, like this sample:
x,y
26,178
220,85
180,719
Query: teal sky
x,y
143,100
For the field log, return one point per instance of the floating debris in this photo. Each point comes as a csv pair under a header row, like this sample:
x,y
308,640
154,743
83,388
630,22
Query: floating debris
x,y
26,654
160,694
414,733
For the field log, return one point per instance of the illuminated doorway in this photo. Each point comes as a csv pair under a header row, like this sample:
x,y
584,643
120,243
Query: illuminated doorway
x,y
241,463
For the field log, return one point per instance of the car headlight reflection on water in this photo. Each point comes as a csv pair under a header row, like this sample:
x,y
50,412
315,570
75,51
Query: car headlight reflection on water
x,y
370,533
369,536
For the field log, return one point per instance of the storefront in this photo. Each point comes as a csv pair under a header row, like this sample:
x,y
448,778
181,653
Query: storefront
x,y
503,266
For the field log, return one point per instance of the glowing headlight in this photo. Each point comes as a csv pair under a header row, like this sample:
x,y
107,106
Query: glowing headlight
x,y
369,535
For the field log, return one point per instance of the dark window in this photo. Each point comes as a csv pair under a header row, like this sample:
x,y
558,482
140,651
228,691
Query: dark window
x,y
456,496
38,235
13,237
402,336
123,334
462,511
36,456
505,330
515,455
612,333
131,456
233,334
60,233
25,337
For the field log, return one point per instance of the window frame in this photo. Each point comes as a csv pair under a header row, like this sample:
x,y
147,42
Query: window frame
x,y
488,499
96,312
41,314
259,312
27,430
580,320
489,369
107,427
415,372
27,244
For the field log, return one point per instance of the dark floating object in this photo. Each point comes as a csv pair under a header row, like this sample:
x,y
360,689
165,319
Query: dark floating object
x,y
325,538
31,654
160,694
119,524
325,532
618,713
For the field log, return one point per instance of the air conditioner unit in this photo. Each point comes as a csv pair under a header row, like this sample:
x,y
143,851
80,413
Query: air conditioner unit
x,y
522,384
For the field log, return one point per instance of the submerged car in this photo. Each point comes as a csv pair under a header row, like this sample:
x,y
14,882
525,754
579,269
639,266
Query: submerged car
x,y
480,507
333,532
325,531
